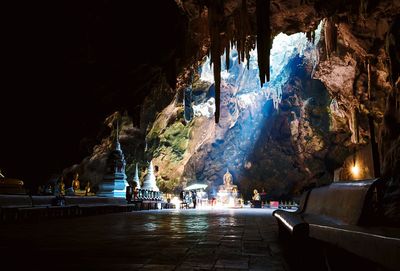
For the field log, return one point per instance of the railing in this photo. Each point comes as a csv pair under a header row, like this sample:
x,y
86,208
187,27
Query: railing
x,y
144,194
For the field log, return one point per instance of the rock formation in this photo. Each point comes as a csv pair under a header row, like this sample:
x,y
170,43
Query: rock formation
x,y
325,113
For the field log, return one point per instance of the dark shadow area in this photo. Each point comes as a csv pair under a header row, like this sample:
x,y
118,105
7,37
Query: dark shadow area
x,y
313,255
69,64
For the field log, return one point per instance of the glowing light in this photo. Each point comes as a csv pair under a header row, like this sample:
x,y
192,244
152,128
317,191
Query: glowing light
x,y
177,202
355,170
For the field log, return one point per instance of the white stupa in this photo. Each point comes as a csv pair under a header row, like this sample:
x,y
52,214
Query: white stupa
x,y
149,182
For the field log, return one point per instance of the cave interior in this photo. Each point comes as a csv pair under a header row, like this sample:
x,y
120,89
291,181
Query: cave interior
x,y
285,94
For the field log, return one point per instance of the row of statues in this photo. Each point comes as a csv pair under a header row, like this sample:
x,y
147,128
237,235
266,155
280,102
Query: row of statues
x,y
59,188
76,186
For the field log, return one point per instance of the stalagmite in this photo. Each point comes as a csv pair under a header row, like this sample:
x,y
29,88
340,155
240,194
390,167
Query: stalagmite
x,y
263,38
353,125
374,147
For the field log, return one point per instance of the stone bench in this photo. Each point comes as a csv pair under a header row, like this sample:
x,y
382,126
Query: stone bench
x,y
25,207
343,214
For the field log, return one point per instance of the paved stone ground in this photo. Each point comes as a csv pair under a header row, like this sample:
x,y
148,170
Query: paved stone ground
x,y
235,239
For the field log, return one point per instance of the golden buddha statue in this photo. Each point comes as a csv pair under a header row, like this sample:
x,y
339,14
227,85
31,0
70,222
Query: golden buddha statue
x,y
256,195
228,185
227,192
228,178
75,183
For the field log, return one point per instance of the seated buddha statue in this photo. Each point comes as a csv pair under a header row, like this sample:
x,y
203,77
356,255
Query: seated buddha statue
x,y
227,192
75,183
256,195
228,185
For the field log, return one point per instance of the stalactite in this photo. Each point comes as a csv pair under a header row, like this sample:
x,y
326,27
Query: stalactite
x,y
363,8
222,34
356,125
227,55
263,38
330,33
313,36
215,9
248,58
242,25
308,35
369,79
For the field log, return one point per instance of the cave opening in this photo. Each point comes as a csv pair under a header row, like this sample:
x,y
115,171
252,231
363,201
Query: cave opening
x,y
251,111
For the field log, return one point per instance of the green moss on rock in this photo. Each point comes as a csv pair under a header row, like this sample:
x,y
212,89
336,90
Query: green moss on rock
x,y
176,137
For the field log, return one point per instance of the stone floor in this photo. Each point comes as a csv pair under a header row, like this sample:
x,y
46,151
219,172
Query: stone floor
x,y
234,239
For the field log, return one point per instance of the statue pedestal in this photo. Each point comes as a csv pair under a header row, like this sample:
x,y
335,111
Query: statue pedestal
x,y
79,192
227,199
113,185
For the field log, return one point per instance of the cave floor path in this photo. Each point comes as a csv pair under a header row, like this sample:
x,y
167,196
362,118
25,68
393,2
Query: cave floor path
x,y
231,239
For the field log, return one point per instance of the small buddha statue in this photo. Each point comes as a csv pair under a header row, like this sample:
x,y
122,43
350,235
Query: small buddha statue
x,y
87,188
75,183
256,195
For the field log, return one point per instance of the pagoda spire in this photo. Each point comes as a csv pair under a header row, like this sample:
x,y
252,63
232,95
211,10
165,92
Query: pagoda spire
x,y
117,145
